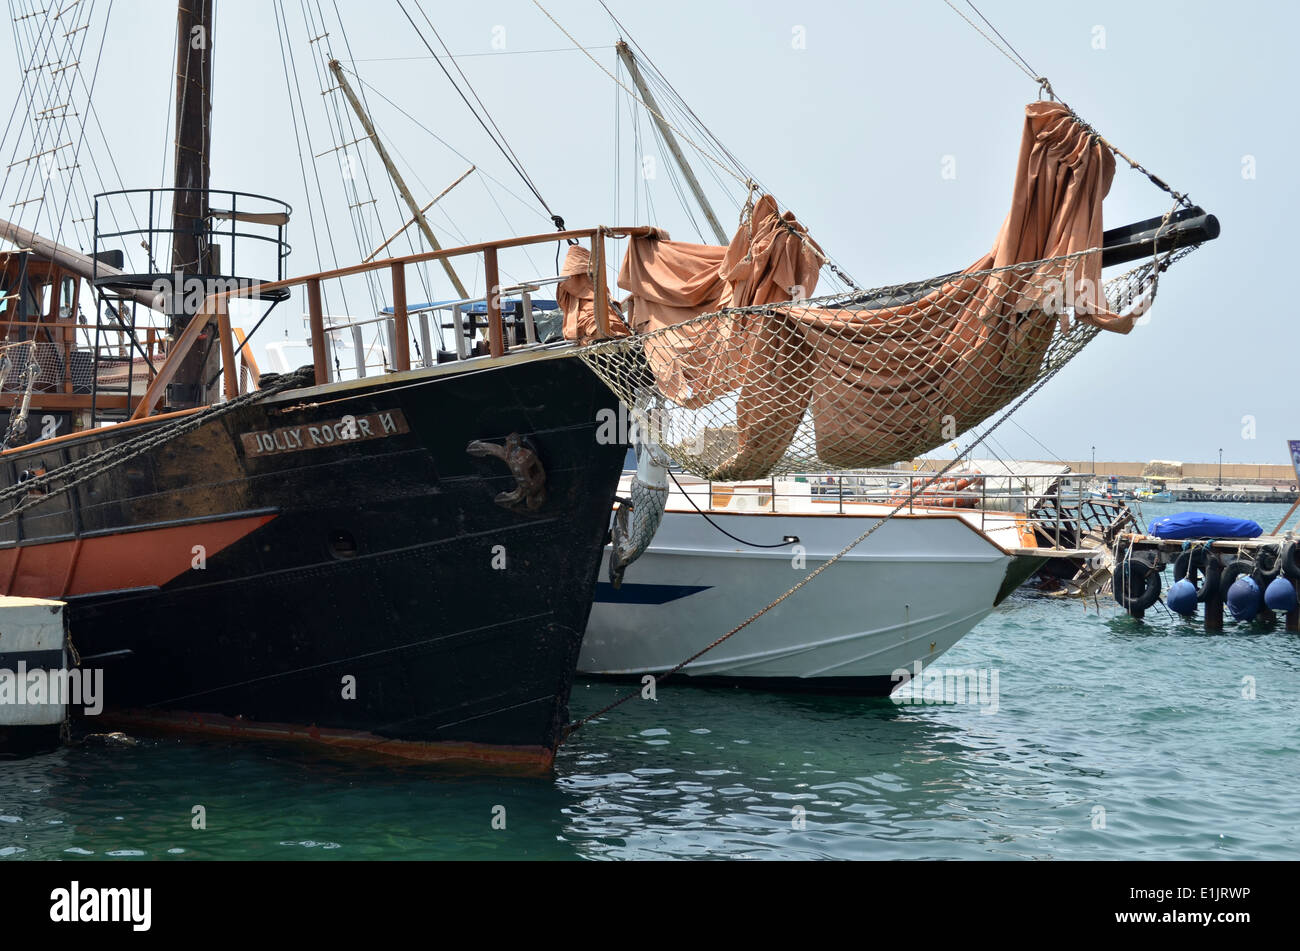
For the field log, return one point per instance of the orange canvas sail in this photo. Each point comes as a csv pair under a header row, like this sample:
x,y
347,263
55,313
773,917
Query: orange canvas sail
x,y
878,385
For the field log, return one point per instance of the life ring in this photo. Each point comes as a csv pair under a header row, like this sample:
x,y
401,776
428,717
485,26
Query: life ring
x,y
1289,561
1204,568
1136,584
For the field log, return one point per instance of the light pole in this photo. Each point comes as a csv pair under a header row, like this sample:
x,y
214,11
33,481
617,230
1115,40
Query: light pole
x,y
1221,468
1094,460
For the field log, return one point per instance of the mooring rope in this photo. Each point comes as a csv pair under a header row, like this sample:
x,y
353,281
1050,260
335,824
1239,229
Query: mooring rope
x,y
99,462
911,497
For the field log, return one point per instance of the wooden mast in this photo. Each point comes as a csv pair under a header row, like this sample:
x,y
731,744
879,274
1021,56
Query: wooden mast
x,y
416,211
191,254
625,54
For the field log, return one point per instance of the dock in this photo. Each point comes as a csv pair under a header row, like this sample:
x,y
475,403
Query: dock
x,y
1212,565
33,671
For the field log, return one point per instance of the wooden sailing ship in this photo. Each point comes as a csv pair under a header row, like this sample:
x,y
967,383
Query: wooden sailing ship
x,y
402,563
406,562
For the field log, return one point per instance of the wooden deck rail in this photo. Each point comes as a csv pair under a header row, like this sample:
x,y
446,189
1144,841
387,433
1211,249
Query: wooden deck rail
x,y
215,306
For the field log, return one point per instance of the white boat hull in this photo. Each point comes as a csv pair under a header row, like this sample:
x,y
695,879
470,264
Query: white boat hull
x,y
906,594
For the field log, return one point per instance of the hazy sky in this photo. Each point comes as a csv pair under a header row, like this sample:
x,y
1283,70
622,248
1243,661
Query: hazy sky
x,y
847,112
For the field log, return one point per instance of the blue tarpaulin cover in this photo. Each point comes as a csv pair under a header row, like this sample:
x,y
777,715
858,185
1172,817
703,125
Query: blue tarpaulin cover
x,y
1204,525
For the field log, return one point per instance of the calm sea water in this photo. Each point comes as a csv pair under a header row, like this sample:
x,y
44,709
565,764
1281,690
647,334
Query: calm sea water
x,y
1150,722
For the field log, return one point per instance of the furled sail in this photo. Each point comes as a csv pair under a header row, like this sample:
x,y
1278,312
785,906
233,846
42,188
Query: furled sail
x,y
740,374
576,298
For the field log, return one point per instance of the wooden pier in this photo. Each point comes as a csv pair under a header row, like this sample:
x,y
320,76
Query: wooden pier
x,y
1141,560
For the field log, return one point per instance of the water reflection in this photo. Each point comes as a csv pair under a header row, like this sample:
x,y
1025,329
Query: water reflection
x,y
747,774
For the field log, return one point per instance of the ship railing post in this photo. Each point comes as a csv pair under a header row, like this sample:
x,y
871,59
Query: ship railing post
x,y
248,369
496,339
530,329
458,327
359,348
227,343
601,301
1057,506
401,328
429,358
984,499
316,321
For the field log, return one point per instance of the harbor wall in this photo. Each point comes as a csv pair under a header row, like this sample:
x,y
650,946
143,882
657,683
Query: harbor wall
x,y
1198,472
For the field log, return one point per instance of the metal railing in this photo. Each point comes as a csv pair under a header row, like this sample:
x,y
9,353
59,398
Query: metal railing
x,y
465,318
156,205
1057,509
216,306
63,364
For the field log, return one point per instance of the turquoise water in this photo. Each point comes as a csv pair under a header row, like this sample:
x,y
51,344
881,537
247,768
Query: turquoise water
x,y
1150,722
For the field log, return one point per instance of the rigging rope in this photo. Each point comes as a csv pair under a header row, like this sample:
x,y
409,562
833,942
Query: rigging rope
x,y
497,139
1017,60
422,271
1045,86
573,727
290,63
88,467
736,170
741,179
43,163
854,381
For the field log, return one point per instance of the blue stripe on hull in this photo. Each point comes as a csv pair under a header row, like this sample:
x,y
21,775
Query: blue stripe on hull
x,y
606,593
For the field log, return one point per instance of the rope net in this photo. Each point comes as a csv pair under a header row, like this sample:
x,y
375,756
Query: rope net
x,y
729,362
47,367
860,381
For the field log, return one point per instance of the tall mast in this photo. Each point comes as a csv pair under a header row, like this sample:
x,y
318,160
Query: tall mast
x,y
416,211
625,54
191,254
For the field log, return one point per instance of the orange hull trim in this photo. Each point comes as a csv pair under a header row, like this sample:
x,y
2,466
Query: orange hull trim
x,y
527,759
141,559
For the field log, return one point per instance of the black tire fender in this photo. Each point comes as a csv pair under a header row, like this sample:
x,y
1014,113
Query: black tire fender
x,y
1136,584
1204,568
1234,570
1289,560
1269,562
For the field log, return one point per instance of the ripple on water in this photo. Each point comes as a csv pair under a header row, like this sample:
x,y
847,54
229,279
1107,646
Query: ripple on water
x,y
1112,739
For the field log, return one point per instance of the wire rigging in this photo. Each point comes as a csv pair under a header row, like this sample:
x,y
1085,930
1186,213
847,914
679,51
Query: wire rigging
x,y
497,139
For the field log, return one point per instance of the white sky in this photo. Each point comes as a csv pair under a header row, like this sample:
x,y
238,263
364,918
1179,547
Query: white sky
x,y
850,131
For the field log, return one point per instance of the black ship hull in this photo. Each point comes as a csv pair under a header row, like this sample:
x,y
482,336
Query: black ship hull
x,y
332,565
